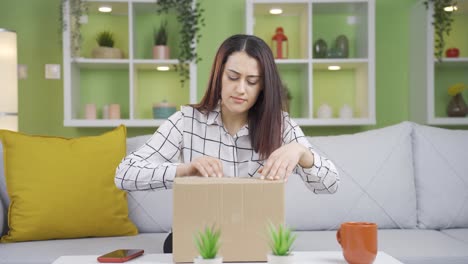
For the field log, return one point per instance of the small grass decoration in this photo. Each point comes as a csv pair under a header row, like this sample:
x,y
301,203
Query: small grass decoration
x,y
105,39
281,239
207,242
160,35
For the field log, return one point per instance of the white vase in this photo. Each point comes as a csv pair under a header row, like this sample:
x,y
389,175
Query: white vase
x,y
107,53
325,111
273,259
200,260
346,111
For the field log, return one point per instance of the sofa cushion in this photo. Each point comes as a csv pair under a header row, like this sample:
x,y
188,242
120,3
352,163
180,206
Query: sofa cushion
x,y
457,233
151,211
441,173
3,191
66,184
4,200
2,218
377,182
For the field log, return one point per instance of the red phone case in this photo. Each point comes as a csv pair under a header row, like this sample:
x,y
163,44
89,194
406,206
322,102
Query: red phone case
x,y
109,258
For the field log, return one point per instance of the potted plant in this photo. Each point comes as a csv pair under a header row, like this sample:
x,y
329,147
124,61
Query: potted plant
x,y
190,17
281,240
207,243
160,48
457,106
442,22
106,50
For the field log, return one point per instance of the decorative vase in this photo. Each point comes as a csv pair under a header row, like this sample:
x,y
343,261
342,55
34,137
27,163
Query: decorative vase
x,y
163,110
90,111
342,46
320,49
161,52
457,106
200,260
114,111
107,53
334,53
325,111
346,111
273,259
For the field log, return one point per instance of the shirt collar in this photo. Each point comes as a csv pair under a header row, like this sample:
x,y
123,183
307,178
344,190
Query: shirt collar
x,y
214,117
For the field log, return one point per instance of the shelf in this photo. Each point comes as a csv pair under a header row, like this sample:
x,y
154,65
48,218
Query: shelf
x,y
451,62
334,121
107,1
114,122
152,64
132,82
429,77
119,7
85,63
448,121
117,22
293,20
322,64
291,65
308,79
348,18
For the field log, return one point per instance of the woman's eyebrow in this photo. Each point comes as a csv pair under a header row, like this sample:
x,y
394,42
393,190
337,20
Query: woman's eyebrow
x,y
231,70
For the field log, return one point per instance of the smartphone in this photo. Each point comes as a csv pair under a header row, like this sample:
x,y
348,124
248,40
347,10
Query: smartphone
x,y
120,255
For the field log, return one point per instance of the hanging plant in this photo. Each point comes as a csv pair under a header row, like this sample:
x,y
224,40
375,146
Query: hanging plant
x,y
190,17
442,22
77,9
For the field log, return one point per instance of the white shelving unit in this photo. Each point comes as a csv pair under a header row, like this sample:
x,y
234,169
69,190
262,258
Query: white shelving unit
x,y
133,81
430,78
312,83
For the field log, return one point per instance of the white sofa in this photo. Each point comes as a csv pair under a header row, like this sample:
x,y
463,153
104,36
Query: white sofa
x,y
411,180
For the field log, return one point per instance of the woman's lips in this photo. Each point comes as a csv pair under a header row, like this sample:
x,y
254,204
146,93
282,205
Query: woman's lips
x,y
238,100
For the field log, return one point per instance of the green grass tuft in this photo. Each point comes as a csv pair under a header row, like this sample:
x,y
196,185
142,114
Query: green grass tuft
x,y
281,239
207,242
105,39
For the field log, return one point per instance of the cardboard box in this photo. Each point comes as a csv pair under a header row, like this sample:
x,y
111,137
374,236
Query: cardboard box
x,y
241,207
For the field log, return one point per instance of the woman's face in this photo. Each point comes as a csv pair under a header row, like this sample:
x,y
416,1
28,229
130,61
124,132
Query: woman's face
x,y
241,83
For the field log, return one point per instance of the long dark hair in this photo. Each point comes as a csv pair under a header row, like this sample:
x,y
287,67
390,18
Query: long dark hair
x,y
265,116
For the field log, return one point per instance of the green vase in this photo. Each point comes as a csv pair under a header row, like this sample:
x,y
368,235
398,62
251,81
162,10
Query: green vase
x,y
342,46
320,49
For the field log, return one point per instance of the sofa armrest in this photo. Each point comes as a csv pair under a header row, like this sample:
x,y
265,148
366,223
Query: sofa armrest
x,y
3,215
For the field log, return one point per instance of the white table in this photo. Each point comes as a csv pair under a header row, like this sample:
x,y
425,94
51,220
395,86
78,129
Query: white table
x,y
301,257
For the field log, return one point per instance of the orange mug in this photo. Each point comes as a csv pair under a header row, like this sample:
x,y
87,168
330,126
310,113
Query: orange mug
x,y
358,241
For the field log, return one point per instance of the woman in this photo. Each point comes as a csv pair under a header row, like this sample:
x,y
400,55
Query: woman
x,y
237,130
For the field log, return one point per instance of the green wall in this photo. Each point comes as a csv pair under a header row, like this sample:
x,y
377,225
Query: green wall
x,y
39,43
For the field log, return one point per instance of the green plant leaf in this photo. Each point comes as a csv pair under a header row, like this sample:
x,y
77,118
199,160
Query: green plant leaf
x,y
442,22
207,242
190,16
281,239
105,39
160,35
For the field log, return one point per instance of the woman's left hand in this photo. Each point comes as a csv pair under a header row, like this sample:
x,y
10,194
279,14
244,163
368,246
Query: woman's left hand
x,y
282,161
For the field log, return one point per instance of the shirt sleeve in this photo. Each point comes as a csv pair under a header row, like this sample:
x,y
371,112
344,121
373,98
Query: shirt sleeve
x,y
153,165
322,177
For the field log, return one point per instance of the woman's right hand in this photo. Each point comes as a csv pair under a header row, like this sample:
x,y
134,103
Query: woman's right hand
x,y
202,166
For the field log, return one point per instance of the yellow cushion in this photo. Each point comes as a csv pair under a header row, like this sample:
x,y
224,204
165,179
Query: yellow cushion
x,y
64,188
